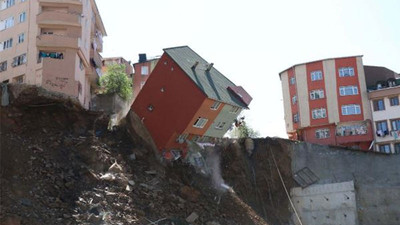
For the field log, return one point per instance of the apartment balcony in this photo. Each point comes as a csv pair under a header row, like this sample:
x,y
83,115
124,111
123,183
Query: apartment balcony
x,y
97,59
58,41
58,18
58,2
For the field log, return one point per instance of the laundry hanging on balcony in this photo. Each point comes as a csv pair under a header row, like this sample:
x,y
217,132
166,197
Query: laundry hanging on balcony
x,y
54,55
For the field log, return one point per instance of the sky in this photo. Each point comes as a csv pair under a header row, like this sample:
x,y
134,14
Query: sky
x,y
252,41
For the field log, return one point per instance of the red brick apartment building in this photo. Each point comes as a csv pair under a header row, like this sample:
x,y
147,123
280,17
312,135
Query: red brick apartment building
x,y
186,98
326,102
143,69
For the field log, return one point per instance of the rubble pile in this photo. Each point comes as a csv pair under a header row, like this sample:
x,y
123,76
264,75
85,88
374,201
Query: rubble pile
x,y
60,165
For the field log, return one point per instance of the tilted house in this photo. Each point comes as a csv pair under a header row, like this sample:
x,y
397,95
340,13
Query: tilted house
x,y
186,98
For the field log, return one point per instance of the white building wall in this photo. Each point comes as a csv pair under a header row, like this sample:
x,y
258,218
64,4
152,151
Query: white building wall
x,y
330,89
302,95
287,101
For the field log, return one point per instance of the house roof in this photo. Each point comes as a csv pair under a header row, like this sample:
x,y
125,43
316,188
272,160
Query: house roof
x,y
374,74
213,83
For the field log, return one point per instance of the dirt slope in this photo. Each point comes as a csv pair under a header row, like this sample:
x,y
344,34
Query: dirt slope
x,y
55,169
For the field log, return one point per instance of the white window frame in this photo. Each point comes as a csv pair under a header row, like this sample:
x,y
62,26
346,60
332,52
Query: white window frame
x,y
318,113
296,118
317,94
215,105
348,90
292,80
346,109
220,125
234,109
346,72
22,17
144,70
19,60
294,99
7,44
322,133
21,38
181,138
316,75
200,122
3,66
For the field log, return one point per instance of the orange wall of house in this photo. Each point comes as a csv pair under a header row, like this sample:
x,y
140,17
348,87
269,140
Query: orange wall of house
x,y
293,92
174,108
315,85
346,81
204,111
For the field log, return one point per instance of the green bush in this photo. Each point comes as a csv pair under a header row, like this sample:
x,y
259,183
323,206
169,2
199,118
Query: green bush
x,y
115,80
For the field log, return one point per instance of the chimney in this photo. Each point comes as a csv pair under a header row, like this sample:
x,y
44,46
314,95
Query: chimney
x,y
195,64
142,58
209,67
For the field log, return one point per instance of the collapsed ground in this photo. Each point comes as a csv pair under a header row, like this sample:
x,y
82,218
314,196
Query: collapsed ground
x,y
60,165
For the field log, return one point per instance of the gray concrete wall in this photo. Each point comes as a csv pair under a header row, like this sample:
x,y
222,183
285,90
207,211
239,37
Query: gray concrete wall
x,y
376,178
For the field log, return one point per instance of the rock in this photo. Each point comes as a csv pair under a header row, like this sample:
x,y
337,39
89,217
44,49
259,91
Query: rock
x,y
25,202
115,168
132,156
151,172
131,182
128,188
66,216
192,217
108,177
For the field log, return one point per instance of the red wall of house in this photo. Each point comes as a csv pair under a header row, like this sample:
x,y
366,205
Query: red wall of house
x,y
309,135
174,108
346,81
315,85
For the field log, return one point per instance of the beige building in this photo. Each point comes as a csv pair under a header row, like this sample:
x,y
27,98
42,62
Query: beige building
x,y
118,60
386,116
52,43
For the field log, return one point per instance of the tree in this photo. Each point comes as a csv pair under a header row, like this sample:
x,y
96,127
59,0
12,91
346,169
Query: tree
x,y
245,131
115,80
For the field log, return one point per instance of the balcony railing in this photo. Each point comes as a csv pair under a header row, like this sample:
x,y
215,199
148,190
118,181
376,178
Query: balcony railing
x,y
59,18
55,40
76,2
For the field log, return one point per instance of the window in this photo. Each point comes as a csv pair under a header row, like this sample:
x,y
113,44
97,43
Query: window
x,y
81,66
181,138
234,109
7,44
319,113
322,133
384,148
316,75
142,84
3,66
19,79
294,99
382,128
21,38
394,100
22,17
292,80
348,90
220,125
317,94
6,4
351,110
196,138
7,23
351,130
200,122
296,118
145,70
395,124
379,105
216,105
346,72
19,60
397,148
23,0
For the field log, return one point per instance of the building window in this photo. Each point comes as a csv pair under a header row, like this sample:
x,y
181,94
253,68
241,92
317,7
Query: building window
x,y
294,99
384,148
317,94
395,124
6,4
351,110
7,44
234,109
381,128
7,23
348,90
316,75
200,122
19,79
292,80
322,133
394,101
319,113
346,72
296,118
181,138
216,105
81,66
145,70
142,84
23,0
397,148
3,66
22,17
379,105
220,125
196,138
21,38
19,60
351,130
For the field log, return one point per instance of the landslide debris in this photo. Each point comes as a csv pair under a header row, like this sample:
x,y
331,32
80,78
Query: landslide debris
x,y
60,165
